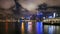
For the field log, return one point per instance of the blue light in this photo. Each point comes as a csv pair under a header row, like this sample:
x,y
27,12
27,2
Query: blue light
x,y
50,17
54,15
26,26
39,28
51,29
20,20
39,13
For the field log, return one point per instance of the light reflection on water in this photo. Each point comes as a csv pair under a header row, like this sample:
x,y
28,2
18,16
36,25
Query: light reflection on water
x,y
40,28
51,29
30,27
22,28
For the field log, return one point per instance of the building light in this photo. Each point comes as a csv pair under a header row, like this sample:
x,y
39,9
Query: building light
x,y
50,17
54,15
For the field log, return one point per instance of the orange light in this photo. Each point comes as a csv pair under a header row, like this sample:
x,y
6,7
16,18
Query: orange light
x,y
22,28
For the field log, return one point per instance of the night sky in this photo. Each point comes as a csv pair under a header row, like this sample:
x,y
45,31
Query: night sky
x,y
30,5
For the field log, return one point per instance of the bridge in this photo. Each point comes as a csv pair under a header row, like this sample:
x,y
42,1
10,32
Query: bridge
x,y
52,20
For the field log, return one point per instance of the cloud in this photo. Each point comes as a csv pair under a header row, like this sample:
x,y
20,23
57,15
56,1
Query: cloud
x,y
6,4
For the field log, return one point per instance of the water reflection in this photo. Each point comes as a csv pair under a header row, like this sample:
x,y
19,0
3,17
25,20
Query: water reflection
x,y
29,27
39,27
51,29
26,28
22,28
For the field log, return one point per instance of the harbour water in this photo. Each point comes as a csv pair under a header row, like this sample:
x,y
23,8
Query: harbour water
x,y
29,28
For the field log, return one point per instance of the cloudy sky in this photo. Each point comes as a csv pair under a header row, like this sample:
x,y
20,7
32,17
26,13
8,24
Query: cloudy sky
x,y
30,5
